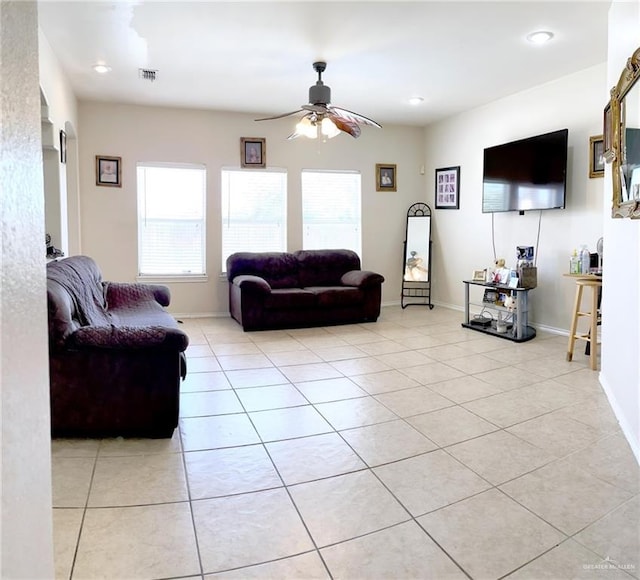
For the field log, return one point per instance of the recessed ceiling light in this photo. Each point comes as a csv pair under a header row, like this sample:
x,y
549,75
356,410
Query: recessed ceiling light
x,y
416,100
101,68
540,37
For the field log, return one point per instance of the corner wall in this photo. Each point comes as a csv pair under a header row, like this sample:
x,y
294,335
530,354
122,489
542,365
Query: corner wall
x,y
62,198
462,238
27,546
139,134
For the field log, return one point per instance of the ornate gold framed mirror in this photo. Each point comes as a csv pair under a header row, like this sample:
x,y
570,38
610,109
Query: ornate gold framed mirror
x,y
622,127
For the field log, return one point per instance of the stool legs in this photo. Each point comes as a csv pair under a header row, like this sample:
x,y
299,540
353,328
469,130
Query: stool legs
x,y
574,322
592,335
593,332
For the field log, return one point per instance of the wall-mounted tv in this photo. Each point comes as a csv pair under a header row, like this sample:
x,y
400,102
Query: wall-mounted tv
x,y
528,174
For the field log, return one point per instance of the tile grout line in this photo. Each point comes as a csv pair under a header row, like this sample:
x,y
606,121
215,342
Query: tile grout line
x,y
84,512
285,487
190,500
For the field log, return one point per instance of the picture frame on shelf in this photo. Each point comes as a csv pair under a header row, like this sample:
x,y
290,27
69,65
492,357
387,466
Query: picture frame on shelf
x,y
108,171
447,188
386,177
479,276
253,152
596,156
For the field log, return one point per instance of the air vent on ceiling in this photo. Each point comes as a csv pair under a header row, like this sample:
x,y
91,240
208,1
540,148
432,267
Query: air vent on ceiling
x,y
148,74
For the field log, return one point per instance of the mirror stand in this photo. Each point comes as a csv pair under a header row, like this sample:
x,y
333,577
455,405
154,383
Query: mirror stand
x,y
416,266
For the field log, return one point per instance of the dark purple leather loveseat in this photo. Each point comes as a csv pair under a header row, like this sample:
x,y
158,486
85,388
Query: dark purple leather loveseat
x,y
116,355
269,290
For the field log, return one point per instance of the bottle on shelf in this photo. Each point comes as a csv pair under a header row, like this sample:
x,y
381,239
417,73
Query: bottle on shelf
x,y
575,265
585,260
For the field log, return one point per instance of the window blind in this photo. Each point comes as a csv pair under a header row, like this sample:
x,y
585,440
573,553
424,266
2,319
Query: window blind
x,y
254,211
331,210
171,219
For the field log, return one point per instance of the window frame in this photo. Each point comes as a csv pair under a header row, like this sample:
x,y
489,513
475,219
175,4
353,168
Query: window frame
x,y
331,171
284,173
173,277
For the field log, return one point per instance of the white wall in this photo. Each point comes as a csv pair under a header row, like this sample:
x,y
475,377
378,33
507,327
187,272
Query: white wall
x,y
620,374
138,134
27,547
61,180
462,239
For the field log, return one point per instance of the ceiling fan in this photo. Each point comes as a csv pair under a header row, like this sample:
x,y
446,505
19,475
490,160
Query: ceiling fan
x,y
322,117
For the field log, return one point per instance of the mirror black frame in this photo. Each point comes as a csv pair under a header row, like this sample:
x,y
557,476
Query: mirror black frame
x,y
614,133
416,266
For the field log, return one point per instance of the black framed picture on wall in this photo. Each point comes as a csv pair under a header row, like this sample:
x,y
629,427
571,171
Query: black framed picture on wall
x,y
63,146
108,171
447,188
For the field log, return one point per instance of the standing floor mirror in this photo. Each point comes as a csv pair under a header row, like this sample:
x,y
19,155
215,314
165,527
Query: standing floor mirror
x,y
416,268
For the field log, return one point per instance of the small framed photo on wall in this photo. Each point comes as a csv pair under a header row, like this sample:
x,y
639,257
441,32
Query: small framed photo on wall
x,y
596,156
253,152
108,171
607,134
448,188
385,177
63,146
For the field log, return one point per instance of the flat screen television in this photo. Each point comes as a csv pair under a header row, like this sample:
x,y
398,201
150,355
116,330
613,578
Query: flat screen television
x,y
524,175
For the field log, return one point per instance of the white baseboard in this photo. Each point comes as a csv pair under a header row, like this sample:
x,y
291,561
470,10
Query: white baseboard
x,y
622,420
201,315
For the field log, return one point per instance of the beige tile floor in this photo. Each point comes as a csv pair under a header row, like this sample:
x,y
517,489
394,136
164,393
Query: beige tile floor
x,y
407,448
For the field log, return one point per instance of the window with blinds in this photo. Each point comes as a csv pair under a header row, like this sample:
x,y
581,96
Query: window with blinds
x,y
331,210
254,211
171,219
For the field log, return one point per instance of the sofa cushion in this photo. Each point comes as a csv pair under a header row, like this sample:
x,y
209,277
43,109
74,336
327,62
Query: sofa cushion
x,y
279,269
288,298
325,267
337,296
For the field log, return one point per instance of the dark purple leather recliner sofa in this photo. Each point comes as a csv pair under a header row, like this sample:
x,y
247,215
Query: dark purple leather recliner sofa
x,y
116,355
270,290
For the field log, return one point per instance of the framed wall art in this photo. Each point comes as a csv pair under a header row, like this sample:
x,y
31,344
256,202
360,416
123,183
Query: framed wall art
x,y
253,152
63,146
607,130
386,177
108,171
596,156
448,188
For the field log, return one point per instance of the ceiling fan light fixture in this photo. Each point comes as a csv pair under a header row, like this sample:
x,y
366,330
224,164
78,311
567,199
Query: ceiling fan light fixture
x,y
329,129
323,117
415,101
307,128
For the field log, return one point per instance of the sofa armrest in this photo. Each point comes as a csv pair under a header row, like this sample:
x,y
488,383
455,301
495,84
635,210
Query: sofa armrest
x,y
249,282
361,278
118,294
129,337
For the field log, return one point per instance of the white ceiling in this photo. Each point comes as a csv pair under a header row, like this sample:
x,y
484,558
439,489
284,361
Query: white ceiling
x,y
256,57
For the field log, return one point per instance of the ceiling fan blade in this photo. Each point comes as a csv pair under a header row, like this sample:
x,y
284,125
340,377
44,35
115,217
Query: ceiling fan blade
x,y
293,136
279,116
320,109
316,108
345,125
355,117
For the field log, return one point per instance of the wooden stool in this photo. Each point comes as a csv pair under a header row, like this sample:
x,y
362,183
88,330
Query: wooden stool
x,y
592,336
